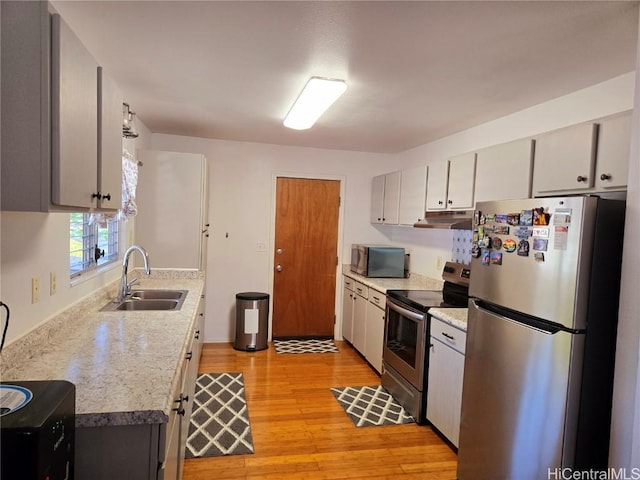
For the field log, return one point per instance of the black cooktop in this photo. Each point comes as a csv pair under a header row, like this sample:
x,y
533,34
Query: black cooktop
x,y
453,296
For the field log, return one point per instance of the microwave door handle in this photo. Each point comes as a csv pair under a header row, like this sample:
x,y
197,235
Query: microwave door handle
x,y
404,312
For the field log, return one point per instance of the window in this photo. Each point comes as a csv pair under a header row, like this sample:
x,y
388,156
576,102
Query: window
x,y
92,243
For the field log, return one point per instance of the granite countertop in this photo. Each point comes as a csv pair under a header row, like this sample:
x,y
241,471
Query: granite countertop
x,y
414,282
453,316
124,364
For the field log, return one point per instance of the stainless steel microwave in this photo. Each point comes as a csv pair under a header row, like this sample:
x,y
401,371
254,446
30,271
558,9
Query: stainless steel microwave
x,y
377,261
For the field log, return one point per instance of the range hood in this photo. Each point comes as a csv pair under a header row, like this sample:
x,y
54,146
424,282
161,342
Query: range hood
x,y
457,219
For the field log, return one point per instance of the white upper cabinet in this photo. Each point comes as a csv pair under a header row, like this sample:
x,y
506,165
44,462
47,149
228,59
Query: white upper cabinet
x,y
462,170
110,142
504,171
450,184
564,160
413,195
377,199
612,160
172,208
437,186
385,198
391,198
74,120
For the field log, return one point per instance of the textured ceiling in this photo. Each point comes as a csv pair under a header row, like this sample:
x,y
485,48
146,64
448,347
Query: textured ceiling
x,y
417,71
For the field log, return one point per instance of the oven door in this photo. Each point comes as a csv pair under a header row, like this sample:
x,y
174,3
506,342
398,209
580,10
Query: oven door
x,y
404,342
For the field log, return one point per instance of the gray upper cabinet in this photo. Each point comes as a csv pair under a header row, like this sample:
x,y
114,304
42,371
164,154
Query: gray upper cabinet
x,y
565,159
61,140
504,171
74,119
109,142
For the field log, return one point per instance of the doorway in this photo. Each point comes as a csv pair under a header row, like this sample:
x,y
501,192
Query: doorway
x,y
305,257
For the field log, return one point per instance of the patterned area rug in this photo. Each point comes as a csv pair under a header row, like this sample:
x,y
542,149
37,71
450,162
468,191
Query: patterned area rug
x,y
368,406
305,346
219,421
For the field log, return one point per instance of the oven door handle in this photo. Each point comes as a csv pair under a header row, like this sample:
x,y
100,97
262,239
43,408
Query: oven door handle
x,y
404,312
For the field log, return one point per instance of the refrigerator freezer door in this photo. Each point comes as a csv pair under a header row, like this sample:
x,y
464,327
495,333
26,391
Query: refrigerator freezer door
x,y
519,401
553,286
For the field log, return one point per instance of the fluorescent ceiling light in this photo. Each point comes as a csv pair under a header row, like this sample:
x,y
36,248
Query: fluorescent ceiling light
x,y
316,97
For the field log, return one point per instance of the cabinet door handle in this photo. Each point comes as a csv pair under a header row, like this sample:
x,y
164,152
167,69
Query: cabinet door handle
x,y
450,337
439,202
450,202
581,178
189,355
96,195
107,197
179,410
376,299
605,176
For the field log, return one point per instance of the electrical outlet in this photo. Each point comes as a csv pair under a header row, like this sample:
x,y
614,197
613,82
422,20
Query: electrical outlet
x,y
53,283
261,247
439,263
35,290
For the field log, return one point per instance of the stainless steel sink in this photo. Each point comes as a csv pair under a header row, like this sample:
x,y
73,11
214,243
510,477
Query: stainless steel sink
x,y
149,300
151,304
158,294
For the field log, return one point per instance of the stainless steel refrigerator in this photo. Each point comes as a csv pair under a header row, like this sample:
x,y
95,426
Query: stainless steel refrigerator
x,y
538,374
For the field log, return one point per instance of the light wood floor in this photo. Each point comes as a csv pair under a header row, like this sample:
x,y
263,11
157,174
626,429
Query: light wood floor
x,y
301,432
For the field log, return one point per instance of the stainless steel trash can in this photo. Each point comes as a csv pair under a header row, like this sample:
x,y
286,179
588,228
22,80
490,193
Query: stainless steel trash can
x,y
252,321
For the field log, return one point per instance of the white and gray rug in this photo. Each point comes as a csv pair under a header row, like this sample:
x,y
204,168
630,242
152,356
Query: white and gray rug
x,y
368,406
305,346
219,421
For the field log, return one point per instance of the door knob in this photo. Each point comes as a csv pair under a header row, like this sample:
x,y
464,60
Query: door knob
x,y
278,268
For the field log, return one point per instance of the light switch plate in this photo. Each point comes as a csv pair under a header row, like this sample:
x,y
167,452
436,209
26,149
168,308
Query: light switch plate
x,y
53,283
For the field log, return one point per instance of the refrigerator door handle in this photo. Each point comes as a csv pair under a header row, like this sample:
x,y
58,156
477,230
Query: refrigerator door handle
x,y
519,318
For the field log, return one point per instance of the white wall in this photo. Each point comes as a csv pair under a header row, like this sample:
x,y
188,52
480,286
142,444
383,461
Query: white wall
x,y
625,428
241,201
34,245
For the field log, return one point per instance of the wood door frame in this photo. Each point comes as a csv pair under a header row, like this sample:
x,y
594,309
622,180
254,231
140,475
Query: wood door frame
x,y
337,328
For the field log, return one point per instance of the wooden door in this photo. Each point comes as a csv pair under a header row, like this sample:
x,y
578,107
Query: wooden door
x,y
305,258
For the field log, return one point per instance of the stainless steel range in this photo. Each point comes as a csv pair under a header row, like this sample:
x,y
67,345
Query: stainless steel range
x,y
405,362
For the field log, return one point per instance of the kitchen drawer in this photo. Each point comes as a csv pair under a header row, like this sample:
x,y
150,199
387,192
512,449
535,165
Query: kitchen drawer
x,y
362,290
377,298
349,283
448,334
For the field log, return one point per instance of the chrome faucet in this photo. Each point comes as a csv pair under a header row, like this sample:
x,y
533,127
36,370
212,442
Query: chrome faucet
x,y
125,287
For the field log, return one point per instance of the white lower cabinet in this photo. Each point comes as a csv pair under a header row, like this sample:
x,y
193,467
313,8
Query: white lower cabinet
x,y
375,329
446,369
360,316
347,309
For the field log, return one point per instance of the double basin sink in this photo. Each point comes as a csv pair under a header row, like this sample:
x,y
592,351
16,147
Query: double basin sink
x,y
151,299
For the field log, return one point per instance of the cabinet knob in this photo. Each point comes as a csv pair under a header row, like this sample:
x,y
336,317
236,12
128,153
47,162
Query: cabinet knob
x,y
180,411
107,197
439,202
605,176
581,178
96,195
450,202
189,355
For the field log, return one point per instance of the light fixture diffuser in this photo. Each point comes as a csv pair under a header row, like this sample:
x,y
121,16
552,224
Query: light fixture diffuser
x,y
316,97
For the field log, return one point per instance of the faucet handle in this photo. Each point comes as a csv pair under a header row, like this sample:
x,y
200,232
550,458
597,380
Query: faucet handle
x,y
131,284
